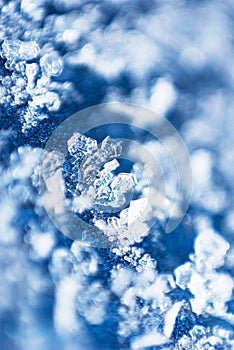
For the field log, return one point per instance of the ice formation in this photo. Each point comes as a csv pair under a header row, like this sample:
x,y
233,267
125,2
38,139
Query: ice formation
x,y
160,291
101,191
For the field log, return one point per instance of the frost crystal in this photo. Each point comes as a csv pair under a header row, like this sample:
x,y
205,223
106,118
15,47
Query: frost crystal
x,y
80,145
29,83
211,289
105,191
15,50
51,64
149,290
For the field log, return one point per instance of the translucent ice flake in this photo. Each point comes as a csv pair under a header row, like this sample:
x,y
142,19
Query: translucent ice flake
x,y
111,147
51,64
28,50
123,183
105,176
113,189
170,319
138,209
80,145
149,340
183,274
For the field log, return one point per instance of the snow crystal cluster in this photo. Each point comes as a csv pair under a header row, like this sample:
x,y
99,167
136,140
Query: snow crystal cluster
x,y
150,291
29,81
101,191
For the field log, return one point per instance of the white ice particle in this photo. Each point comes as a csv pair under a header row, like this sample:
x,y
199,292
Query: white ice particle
x,y
148,340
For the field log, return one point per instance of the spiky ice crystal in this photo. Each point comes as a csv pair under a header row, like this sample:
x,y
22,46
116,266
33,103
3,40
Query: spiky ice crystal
x,y
102,191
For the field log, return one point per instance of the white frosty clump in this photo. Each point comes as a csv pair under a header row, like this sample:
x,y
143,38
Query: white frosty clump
x,y
145,310
211,289
29,83
210,338
51,64
76,297
14,50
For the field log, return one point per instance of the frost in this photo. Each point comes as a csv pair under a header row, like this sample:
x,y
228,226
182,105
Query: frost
x,y
80,145
28,50
42,244
31,70
92,303
149,340
212,254
15,50
60,56
33,10
31,118
197,332
170,319
100,188
65,312
29,83
85,261
211,289
51,64
50,100
121,280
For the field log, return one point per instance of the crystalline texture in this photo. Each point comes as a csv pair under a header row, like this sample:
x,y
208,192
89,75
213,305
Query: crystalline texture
x,y
104,179
19,50
111,147
32,70
50,100
51,64
123,182
107,192
80,145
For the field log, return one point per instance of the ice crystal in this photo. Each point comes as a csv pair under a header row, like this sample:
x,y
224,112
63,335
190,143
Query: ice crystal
x,y
51,64
14,50
211,289
105,191
79,145
160,291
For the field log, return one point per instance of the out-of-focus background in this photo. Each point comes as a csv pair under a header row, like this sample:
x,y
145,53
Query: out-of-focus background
x,y
168,291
